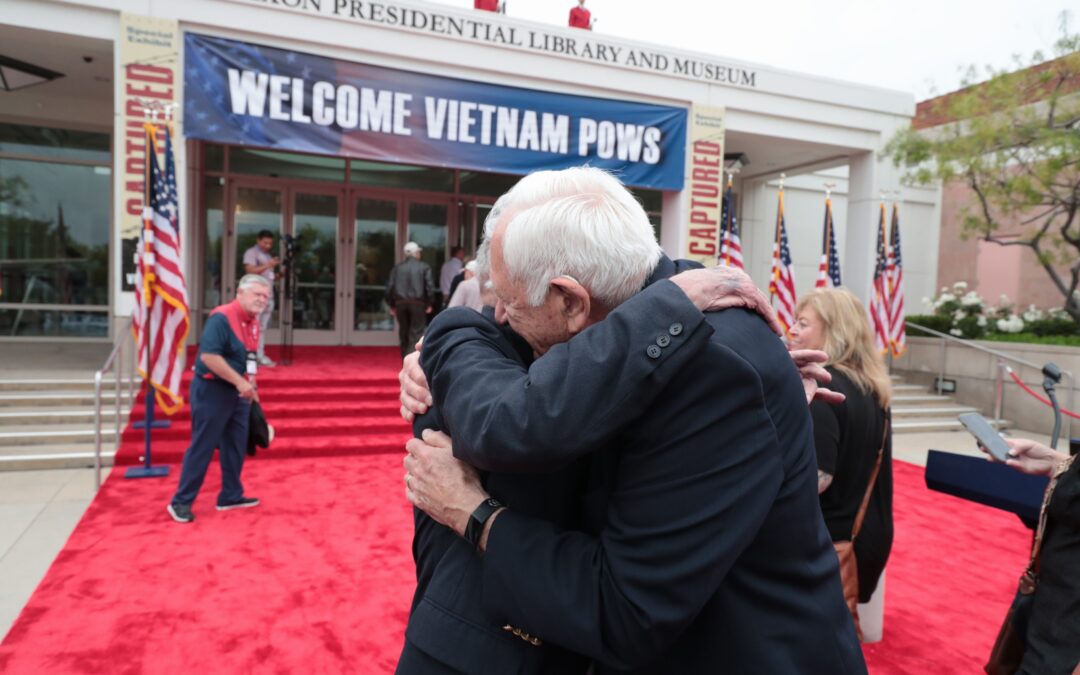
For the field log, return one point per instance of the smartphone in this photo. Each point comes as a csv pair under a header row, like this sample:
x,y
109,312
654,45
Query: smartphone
x,y
987,436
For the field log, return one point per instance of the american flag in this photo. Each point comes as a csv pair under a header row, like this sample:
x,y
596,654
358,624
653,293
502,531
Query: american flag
x,y
879,303
161,307
782,279
730,244
829,269
895,277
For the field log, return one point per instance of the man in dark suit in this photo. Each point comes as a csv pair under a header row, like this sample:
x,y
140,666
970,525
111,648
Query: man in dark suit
x,y
449,630
700,545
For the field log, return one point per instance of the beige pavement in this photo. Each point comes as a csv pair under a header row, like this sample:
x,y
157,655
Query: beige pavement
x,y
38,512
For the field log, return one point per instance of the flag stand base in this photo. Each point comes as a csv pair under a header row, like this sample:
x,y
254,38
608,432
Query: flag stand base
x,y
146,472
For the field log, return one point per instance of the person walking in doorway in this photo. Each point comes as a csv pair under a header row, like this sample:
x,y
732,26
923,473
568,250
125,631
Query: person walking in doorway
x,y
410,293
259,260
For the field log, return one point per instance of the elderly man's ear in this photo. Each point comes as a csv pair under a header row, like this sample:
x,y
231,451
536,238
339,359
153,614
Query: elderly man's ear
x,y
576,303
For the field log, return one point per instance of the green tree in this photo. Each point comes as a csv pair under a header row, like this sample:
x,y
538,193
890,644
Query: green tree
x,y
1014,140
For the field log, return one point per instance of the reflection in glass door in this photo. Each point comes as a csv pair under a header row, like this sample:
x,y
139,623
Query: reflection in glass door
x,y
315,225
427,227
375,246
254,210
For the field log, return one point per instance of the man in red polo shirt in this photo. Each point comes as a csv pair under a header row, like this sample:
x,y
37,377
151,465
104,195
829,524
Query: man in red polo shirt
x,y
581,17
221,395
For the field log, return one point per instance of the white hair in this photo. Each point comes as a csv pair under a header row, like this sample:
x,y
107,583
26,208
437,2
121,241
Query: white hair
x,y
581,223
249,280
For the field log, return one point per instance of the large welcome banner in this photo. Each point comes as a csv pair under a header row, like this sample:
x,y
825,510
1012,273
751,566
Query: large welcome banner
x,y
247,94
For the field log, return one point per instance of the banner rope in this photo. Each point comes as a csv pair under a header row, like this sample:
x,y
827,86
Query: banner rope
x,y
1042,399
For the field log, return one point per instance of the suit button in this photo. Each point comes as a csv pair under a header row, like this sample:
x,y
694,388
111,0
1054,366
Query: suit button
x,y
663,341
675,328
653,351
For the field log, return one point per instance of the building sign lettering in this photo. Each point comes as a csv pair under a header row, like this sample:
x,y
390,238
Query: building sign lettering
x,y
586,48
255,95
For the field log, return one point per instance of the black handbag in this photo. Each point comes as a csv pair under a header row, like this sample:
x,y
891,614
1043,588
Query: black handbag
x,y
259,432
1011,642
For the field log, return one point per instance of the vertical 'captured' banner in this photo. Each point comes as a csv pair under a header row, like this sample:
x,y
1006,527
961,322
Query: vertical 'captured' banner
x,y
704,184
147,76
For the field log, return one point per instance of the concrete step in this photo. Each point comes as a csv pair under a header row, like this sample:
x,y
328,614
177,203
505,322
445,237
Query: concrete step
x,y
68,383
29,435
18,415
908,389
921,424
950,411
922,399
71,456
60,399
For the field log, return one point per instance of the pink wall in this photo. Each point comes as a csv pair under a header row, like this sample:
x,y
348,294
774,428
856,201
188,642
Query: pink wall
x,y
990,269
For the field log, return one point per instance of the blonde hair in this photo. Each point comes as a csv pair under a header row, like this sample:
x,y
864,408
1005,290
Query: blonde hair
x,y
848,340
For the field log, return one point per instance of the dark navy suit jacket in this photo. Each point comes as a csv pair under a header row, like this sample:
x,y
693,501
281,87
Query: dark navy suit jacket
x,y
699,545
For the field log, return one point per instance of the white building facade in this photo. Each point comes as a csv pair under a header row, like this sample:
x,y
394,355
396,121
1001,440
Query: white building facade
x,y
357,126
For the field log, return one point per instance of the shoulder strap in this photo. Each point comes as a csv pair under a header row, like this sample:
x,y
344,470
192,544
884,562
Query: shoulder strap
x,y
1033,564
873,479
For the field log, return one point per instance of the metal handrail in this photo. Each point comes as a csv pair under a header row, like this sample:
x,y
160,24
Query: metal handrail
x,y
1000,378
967,343
114,362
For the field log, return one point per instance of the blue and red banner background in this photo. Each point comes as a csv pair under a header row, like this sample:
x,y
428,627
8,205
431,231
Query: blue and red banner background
x,y
286,100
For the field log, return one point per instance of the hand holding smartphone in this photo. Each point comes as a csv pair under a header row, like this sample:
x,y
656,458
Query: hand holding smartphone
x,y
988,437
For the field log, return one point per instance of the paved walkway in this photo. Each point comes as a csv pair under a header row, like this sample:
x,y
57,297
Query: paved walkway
x,y
38,511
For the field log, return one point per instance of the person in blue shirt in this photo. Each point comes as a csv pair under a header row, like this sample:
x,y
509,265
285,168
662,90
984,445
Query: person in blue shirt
x,y
221,395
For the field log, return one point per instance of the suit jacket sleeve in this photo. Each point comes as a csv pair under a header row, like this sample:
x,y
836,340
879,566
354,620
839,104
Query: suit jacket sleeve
x,y
509,419
690,493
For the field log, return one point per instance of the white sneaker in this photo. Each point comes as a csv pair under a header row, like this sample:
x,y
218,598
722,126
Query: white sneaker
x,y
265,361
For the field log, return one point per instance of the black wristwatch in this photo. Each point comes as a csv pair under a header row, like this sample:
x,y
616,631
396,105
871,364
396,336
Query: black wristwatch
x,y
479,517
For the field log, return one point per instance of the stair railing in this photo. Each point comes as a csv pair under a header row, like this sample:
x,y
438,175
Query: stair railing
x,y
999,380
118,365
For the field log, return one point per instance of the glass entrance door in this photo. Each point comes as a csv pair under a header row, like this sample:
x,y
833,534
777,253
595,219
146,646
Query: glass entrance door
x,y
428,225
346,243
315,286
255,209
372,252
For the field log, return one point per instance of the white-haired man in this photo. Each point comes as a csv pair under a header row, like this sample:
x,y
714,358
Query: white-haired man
x,y
699,544
467,293
410,293
221,395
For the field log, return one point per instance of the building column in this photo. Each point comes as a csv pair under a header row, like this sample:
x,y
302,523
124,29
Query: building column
x,y
757,224
869,176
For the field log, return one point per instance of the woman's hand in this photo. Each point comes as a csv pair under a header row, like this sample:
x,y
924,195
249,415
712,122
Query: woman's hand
x,y
1027,456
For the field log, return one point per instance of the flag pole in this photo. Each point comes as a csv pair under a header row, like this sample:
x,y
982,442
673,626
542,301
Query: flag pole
x,y
148,470
776,242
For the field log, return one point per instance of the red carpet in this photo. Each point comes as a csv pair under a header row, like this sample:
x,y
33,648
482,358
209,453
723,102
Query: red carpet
x,y
332,401
319,577
951,576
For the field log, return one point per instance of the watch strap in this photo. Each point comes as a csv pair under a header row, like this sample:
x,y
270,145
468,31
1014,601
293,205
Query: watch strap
x,y
475,527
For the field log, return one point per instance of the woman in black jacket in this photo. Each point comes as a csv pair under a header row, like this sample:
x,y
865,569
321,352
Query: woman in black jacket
x,y
1053,631
849,435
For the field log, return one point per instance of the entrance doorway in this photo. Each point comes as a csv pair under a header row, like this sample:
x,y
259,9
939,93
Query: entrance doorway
x,y
347,239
